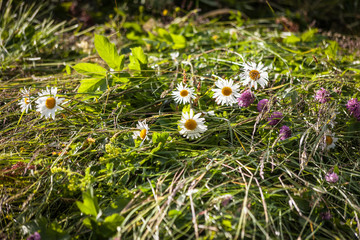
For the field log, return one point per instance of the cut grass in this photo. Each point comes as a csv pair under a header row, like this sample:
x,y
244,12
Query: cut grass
x,y
237,181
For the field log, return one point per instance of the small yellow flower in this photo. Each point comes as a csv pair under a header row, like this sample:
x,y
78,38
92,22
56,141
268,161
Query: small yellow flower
x,y
165,12
90,140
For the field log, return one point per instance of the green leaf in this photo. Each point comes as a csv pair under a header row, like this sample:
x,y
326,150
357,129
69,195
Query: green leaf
x,y
91,85
90,69
89,206
108,52
164,34
178,40
332,49
160,137
139,54
174,213
138,59
308,35
292,39
113,221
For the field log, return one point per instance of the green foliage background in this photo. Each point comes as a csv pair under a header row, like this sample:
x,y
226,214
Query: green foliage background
x,y
83,176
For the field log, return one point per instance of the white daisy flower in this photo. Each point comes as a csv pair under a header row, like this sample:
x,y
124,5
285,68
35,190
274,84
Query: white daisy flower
x,y
48,103
192,126
183,94
25,102
254,74
174,55
144,131
227,91
329,140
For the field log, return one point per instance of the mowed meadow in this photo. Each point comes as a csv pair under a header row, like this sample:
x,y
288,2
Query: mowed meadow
x,y
218,127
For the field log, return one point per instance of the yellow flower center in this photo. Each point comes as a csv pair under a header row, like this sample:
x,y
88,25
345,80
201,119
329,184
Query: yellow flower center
x,y
26,100
184,93
226,91
328,140
143,133
254,75
50,103
190,124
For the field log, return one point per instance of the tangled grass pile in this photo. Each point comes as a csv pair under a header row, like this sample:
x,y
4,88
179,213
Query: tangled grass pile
x,y
194,130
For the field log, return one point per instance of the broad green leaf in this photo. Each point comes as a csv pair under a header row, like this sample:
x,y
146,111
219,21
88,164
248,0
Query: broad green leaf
x,y
308,35
113,221
332,49
160,137
292,39
178,40
138,59
90,69
108,52
89,205
90,85
138,52
134,63
164,34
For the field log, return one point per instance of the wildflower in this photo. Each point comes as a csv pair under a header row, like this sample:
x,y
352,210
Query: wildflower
x,y
183,94
48,102
353,106
337,90
325,215
25,101
275,118
254,74
226,93
331,177
322,95
226,200
329,141
90,140
285,132
192,125
246,99
144,130
35,236
174,57
262,105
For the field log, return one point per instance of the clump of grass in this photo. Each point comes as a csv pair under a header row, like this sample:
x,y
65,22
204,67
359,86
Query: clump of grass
x,y
83,175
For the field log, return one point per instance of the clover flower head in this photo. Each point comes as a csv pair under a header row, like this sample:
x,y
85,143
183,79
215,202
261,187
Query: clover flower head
x,y
246,99
331,177
262,105
325,215
35,236
322,95
275,118
353,107
285,132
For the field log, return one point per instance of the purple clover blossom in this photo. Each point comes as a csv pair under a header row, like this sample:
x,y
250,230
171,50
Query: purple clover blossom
x,y
353,106
262,105
325,215
275,118
332,177
246,99
35,236
322,95
285,132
